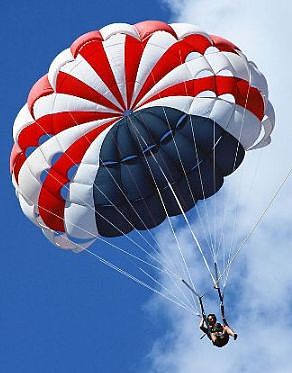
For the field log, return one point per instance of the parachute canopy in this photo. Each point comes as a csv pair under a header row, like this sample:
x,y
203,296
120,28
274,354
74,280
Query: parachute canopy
x,y
133,123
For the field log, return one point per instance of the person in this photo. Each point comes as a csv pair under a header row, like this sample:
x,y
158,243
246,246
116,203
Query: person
x,y
216,332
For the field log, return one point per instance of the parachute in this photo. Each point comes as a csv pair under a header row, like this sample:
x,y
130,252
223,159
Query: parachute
x,y
134,124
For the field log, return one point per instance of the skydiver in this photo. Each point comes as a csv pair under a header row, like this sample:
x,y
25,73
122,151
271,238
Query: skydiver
x,y
216,332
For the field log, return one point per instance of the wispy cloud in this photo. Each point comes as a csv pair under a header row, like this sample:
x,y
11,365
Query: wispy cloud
x,y
259,298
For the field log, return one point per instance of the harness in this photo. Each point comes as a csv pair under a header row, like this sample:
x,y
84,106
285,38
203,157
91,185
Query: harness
x,y
222,337
217,328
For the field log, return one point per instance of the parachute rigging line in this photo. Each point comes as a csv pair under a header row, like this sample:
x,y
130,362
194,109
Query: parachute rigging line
x,y
159,254
210,245
176,147
108,221
168,270
218,242
186,268
135,279
174,194
258,221
239,189
125,273
90,207
183,213
162,286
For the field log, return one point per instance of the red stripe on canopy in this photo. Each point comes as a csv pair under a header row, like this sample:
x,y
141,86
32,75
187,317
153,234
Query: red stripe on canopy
x,y
51,203
246,96
173,57
70,85
94,53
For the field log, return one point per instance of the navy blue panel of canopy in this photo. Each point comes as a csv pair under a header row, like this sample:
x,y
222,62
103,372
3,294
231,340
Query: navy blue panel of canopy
x,y
151,149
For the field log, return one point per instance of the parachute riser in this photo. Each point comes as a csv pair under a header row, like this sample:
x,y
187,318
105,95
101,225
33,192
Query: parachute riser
x,y
203,314
221,297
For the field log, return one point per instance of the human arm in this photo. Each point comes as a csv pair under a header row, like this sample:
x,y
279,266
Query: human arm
x,y
230,332
203,326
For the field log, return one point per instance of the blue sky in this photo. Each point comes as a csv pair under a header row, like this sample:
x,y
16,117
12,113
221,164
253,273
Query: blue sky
x,y
60,312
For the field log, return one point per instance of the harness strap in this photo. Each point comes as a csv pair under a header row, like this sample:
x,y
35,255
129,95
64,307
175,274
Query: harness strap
x,y
217,287
201,306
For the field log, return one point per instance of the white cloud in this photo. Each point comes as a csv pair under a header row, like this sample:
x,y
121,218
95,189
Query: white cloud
x,y
260,300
